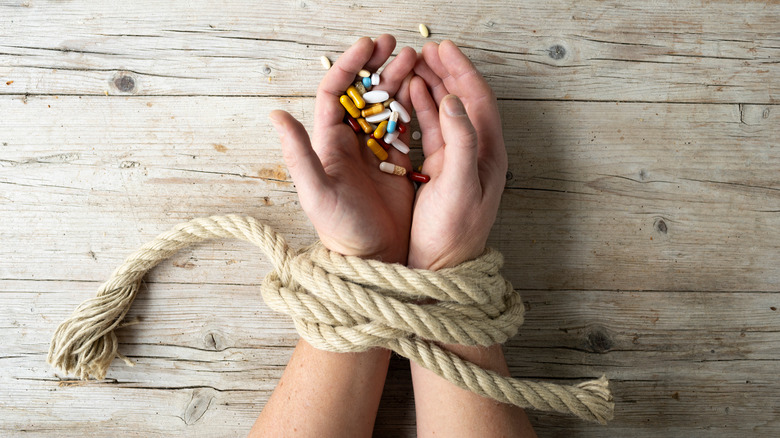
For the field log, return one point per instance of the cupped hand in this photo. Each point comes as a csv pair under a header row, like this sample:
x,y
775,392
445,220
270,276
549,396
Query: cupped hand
x,y
355,208
464,155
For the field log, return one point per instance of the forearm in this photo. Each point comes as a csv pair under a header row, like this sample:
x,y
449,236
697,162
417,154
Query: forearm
x,y
325,394
444,409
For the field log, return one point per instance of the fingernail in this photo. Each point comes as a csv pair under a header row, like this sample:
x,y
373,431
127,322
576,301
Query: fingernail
x,y
453,106
276,122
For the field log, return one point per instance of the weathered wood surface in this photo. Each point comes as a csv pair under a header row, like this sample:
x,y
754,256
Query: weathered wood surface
x,y
640,221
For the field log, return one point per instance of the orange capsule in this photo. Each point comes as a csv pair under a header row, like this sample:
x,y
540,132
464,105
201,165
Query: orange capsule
x,y
353,93
367,128
376,149
347,103
373,110
380,130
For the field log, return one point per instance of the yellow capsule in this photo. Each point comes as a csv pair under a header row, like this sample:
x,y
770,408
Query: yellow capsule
x,y
356,97
381,129
367,128
347,103
388,102
376,149
372,110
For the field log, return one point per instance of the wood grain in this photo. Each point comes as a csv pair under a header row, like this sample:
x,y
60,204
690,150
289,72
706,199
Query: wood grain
x,y
663,51
639,221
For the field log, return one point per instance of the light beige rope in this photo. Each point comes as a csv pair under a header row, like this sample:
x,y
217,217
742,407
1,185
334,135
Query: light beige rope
x,y
346,304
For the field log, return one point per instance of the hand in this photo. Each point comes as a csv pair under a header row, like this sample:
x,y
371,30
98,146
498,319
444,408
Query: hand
x,y
453,213
355,208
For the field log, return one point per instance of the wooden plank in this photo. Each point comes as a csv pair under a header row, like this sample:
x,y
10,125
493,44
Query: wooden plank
x,y
694,363
670,51
599,196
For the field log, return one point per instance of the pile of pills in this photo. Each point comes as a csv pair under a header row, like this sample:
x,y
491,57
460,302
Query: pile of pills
x,y
383,119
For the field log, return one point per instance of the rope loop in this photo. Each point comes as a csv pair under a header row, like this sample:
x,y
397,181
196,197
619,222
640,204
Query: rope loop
x,y
346,304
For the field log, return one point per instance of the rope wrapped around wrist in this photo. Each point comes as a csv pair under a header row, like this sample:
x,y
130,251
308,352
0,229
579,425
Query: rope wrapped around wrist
x,y
346,304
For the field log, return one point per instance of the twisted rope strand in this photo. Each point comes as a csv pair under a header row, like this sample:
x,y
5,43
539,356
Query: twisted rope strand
x,y
346,304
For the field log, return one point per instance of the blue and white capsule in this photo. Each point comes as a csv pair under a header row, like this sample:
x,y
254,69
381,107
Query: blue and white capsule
x,y
392,122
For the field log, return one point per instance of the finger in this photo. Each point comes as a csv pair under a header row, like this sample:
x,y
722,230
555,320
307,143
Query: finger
x,y
302,162
436,86
462,78
397,70
383,48
460,154
427,115
403,97
328,110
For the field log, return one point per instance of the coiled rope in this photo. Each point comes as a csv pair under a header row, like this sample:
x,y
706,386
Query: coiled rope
x,y
346,304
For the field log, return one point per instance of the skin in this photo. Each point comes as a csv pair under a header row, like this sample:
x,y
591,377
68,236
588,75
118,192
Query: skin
x,y
466,158
358,210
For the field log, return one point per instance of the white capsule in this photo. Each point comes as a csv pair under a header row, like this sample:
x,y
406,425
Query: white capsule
x,y
391,136
424,30
376,96
364,73
374,79
395,106
325,62
391,168
401,146
416,135
376,118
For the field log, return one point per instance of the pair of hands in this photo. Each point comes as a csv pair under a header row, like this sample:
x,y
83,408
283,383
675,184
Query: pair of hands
x,y
359,210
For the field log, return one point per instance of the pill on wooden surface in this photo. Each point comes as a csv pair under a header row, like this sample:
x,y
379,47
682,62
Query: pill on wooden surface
x,y
375,79
391,168
424,30
364,73
416,135
376,118
401,146
402,113
376,96
391,136
349,105
325,62
376,149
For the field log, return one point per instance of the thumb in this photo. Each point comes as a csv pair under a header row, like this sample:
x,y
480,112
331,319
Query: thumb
x,y
460,138
302,162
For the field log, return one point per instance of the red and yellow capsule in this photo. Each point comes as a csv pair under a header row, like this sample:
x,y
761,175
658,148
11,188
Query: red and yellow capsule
x,y
348,105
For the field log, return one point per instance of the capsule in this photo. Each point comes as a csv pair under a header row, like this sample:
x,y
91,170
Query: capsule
x,y
359,86
381,142
376,118
367,82
401,146
376,96
381,129
388,102
372,110
375,79
364,73
376,149
353,93
352,123
418,177
391,136
401,128
348,105
392,122
391,168
365,126
402,113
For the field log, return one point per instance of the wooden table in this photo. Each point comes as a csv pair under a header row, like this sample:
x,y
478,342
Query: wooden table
x,y
640,221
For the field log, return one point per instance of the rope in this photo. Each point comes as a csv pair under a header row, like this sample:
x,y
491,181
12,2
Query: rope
x,y
346,304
